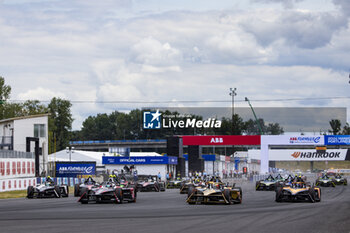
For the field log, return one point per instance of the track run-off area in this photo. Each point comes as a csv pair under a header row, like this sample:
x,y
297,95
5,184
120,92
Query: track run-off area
x,y
168,212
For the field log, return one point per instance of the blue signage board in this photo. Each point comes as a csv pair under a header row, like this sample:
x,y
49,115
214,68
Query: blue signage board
x,y
337,140
139,160
75,169
206,157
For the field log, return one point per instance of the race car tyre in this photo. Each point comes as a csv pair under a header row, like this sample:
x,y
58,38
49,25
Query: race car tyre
x,y
65,191
345,182
76,190
191,190
318,195
312,195
30,192
240,190
119,194
135,196
279,194
227,195
57,191
257,186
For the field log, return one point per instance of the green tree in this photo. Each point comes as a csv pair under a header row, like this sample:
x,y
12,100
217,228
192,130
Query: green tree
x,y
60,122
274,129
252,127
336,126
346,129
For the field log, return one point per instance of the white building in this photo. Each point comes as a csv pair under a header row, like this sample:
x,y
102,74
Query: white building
x,y
14,131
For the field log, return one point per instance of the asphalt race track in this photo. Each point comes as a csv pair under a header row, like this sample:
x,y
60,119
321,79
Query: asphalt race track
x,y
168,212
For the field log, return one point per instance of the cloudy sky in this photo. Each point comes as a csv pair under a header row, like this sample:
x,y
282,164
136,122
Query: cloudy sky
x,y
164,50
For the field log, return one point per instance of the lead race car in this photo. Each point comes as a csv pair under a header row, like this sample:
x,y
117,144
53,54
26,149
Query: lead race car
x,y
109,191
214,194
48,189
298,190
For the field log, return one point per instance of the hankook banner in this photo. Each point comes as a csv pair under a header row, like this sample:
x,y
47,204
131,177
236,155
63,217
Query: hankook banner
x,y
304,155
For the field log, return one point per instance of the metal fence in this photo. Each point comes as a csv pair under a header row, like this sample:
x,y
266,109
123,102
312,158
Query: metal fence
x,y
10,154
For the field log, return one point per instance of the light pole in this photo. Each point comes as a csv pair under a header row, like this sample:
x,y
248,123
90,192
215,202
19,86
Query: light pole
x,y
233,94
70,150
256,119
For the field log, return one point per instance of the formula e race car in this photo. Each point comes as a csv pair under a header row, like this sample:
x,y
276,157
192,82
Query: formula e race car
x,y
47,190
88,184
339,180
149,184
212,194
298,191
191,183
269,184
109,192
175,184
325,181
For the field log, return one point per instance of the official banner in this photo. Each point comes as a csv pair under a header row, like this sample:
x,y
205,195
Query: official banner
x,y
139,160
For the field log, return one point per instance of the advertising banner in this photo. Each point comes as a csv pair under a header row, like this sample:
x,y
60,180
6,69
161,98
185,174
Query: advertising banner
x,y
337,140
139,160
16,184
16,168
304,155
75,169
221,140
292,140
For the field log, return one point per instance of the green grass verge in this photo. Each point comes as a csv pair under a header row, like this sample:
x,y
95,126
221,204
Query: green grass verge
x,y
22,193
13,194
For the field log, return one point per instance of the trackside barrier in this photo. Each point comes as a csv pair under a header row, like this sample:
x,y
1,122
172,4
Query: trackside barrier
x,y
16,184
62,180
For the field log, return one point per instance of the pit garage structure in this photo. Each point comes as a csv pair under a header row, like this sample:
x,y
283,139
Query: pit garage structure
x,y
266,142
195,143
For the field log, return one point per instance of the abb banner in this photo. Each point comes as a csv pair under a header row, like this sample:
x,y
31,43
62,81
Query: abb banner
x,y
221,140
16,184
16,168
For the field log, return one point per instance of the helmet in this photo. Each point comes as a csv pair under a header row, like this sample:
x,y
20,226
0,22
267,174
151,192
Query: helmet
x,y
110,176
48,177
114,176
90,176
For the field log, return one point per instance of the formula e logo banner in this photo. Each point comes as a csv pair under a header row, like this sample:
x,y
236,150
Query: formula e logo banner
x,y
307,140
71,169
337,140
151,120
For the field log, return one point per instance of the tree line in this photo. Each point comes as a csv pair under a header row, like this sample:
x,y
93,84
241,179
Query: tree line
x,y
119,125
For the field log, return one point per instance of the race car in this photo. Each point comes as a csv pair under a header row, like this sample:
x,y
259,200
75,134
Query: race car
x,y
269,184
109,192
191,183
339,180
149,184
298,191
89,184
47,190
325,181
211,194
175,184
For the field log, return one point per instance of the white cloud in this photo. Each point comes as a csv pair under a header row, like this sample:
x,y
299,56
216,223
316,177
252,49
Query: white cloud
x,y
117,51
40,93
